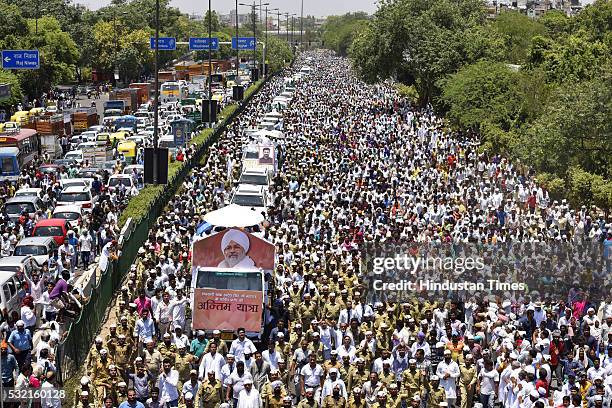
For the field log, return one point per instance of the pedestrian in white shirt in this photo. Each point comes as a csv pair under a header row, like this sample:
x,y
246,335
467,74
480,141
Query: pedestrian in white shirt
x,y
211,362
241,344
168,380
249,396
448,371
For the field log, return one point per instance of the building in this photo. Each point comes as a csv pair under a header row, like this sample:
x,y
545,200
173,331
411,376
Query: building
x,y
242,18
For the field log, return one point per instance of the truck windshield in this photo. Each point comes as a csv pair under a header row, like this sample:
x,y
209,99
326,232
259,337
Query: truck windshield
x,y
229,280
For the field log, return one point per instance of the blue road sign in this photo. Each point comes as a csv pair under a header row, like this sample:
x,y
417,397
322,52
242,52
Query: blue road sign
x,y
202,43
165,43
244,43
20,59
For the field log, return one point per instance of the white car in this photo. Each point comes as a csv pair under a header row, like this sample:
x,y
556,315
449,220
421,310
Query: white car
x,y
89,136
72,213
30,192
76,155
76,195
116,180
252,196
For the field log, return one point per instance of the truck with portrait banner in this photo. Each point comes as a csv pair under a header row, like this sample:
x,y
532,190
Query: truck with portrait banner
x,y
229,289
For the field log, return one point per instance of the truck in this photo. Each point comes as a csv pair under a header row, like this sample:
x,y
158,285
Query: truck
x,y
50,125
145,92
97,155
84,118
127,95
50,144
127,121
114,105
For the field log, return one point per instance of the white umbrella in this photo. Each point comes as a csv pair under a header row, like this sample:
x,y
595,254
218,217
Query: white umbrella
x,y
234,215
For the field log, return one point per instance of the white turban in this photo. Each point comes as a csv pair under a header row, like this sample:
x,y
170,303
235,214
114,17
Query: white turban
x,y
238,237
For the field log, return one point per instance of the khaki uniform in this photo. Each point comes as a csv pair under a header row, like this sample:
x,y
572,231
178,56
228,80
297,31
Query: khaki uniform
x,y
94,356
307,313
353,403
153,361
357,378
331,312
273,402
412,382
467,382
209,395
307,404
123,356
101,378
182,364
168,351
386,377
435,397
331,402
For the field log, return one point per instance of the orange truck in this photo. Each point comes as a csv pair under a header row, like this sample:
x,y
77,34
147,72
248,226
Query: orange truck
x,y
84,118
144,93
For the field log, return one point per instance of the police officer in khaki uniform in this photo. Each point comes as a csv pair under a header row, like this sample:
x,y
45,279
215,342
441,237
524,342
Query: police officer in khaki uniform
x,y
467,381
274,398
307,310
335,399
412,379
122,354
356,399
359,375
167,349
435,393
94,354
395,398
210,392
183,364
331,310
309,400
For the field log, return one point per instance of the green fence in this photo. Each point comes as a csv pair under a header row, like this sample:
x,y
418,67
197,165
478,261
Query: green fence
x,y
74,348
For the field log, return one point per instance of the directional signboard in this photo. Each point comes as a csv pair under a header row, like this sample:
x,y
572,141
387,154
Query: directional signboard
x,y
20,59
165,43
244,43
202,43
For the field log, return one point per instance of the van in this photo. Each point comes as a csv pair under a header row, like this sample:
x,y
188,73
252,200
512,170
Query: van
x,y
72,213
9,291
16,205
19,264
258,176
76,155
252,196
39,248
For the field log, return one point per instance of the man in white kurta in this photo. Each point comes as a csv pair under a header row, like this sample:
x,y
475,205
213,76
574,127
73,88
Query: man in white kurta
x,y
448,371
249,396
211,361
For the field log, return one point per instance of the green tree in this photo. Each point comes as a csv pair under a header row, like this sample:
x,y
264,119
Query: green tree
x,y
338,32
557,23
59,56
214,21
13,26
518,30
573,131
420,41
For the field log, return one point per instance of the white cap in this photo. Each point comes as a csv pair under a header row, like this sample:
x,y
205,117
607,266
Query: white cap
x,y
84,380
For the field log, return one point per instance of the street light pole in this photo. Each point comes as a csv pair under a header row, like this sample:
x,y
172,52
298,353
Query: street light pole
x,y
210,121
278,13
237,57
156,100
302,25
292,29
287,26
263,55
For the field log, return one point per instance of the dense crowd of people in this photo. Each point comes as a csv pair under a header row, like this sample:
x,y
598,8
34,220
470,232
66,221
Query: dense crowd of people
x,y
362,173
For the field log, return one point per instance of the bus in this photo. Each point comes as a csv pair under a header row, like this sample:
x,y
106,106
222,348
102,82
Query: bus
x,y
227,299
27,142
173,91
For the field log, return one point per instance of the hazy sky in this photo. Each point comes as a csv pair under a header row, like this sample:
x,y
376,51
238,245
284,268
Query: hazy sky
x,y
312,7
